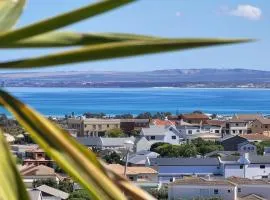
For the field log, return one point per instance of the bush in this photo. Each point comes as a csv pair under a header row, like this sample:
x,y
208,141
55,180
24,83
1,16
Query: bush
x,y
79,195
115,132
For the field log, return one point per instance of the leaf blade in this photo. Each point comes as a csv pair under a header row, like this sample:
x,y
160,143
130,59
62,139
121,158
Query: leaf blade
x,y
65,39
11,186
60,21
117,50
10,11
69,154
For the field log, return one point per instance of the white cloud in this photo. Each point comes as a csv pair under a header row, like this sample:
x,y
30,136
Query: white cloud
x,y
247,11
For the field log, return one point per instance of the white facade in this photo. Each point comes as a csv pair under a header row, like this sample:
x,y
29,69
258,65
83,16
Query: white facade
x,y
236,128
190,192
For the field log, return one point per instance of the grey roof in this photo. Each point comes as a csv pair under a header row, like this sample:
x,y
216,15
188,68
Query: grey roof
x,y
140,157
230,158
221,153
52,191
184,161
154,130
255,159
89,141
111,142
35,194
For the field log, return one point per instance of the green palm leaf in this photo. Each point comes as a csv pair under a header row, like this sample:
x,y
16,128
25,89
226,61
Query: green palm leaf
x,y
64,39
74,158
11,187
10,11
61,20
117,50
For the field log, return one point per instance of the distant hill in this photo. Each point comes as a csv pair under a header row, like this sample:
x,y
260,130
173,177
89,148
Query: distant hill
x,y
168,76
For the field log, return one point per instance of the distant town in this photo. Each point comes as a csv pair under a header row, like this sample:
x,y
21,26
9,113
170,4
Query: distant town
x,y
186,156
183,78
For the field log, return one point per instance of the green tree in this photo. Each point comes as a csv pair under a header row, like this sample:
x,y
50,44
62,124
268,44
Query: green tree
x,y
65,186
79,195
155,145
115,132
50,182
112,158
146,115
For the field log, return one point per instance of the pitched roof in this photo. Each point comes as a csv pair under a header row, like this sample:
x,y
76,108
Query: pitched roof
x,y
89,141
252,197
264,120
119,169
115,141
140,157
184,161
194,116
202,181
256,159
52,191
154,130
247,117
32,170
246,181
215,122
159,122
255,136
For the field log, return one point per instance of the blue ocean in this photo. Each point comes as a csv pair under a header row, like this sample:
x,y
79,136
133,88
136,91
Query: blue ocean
x,y
61,101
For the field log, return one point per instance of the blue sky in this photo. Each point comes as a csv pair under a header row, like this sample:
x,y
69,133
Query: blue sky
x,y
169,18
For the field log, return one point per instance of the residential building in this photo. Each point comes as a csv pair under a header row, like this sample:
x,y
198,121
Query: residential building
x,y
99,127
230,143
194,118
207,132
76,124
32,172
170,169
236,127
260,125
129,125
256,137
246,166
233,188
159,122
201,188
136,174
37,157
105,142
50,193
168,134
141,158
249,118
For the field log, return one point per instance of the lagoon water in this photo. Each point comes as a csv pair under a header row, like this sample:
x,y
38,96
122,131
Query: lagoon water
x,y
61,101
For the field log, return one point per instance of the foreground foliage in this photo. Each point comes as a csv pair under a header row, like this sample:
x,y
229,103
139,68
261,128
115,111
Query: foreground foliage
x,y
80,163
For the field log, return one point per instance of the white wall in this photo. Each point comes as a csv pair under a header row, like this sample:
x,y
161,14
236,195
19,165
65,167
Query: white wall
x,y
253,171
233,170
168,138
189,192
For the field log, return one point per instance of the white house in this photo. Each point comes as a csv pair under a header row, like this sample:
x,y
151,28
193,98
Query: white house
x,y
195,187
233,188
170,169
246,166
167,134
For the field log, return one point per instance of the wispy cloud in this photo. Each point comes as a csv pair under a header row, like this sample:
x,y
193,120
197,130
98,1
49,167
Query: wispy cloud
x,y
247,11
178,14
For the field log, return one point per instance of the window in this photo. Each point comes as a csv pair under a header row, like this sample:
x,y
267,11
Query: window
x,y
264,176
229,191
233,131
99,126
85,125
262,166
215,191
266,126
174,137
241,166
198,130
240,131
189,131
216,131
152,137
239,190
171,179
236,124
108,125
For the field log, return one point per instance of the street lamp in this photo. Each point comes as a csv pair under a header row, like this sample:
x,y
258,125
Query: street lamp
x,y
128,144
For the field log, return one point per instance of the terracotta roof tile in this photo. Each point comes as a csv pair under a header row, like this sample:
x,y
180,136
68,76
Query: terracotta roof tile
x,y
119,169
255,136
